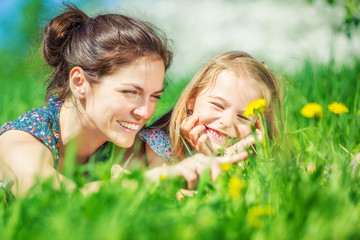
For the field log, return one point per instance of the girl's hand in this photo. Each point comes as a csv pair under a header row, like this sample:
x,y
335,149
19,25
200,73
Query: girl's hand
x,y
117,170
243,144
194,135
192,167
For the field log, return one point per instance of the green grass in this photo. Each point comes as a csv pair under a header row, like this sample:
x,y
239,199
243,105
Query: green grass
x,y
277,197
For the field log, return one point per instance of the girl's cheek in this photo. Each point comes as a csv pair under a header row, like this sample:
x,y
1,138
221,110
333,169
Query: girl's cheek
x,y
244,130
207,116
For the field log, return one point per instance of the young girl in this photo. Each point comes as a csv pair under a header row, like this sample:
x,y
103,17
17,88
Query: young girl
x,y
108,75
209,114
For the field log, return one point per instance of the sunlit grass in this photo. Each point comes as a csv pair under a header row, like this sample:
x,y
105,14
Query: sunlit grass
x,y
307,188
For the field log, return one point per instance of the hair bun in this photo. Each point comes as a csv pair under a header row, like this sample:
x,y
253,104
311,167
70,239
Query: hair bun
x,y
58,32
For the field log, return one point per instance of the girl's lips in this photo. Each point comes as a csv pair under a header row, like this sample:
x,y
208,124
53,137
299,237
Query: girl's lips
x,y
216,135
130,127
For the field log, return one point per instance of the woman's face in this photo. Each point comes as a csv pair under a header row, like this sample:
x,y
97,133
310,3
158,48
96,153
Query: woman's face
x,y
120,105
221,106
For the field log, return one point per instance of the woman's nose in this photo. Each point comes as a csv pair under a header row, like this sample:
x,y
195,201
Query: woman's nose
x,y
144,110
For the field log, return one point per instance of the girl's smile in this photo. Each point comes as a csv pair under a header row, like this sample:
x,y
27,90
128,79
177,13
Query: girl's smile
x,y
221,107
216,135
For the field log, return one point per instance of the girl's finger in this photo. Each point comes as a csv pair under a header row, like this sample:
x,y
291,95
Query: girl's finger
x,y
259,135
194,133
240,146
188,123
233,158
216,165
202,147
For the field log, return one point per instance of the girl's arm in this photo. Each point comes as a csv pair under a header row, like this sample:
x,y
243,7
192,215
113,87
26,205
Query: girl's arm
x,y
26,160
192,167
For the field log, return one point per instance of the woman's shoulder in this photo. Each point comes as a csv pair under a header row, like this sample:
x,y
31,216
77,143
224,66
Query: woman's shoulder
x,y
41,123
20,145
159,142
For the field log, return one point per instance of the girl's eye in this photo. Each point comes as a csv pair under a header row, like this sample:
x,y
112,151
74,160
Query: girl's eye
x,y
217,105
243,118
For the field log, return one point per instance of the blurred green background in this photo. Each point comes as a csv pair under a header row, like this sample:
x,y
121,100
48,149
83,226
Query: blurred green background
x,y
312,46
278,32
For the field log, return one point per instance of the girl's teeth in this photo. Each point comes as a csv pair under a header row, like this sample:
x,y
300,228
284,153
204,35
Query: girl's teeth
x,y
129,126
216,134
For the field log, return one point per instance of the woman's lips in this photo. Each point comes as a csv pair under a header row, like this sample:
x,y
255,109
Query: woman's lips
x,y
131,127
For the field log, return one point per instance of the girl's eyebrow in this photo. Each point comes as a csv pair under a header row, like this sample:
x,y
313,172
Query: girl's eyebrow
x,y
219,98
225,102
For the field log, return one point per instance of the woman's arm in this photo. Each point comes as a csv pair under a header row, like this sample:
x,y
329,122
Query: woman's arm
x,y
153,159
25,160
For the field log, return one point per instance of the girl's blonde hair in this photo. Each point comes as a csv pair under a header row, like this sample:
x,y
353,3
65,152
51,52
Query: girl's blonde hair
x,y
241,64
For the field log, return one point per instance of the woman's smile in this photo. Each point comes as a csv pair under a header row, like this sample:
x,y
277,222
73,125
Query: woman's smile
x,y
132,127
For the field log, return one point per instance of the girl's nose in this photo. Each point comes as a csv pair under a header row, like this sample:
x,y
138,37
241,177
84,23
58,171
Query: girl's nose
x,y
227,119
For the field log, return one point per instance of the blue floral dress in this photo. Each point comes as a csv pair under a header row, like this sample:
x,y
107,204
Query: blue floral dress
x,y
159,142
42,123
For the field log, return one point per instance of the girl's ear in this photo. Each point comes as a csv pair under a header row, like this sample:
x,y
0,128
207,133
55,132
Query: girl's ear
x,y
78,82
190,104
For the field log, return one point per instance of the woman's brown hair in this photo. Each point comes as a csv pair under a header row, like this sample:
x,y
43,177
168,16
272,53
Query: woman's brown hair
x,y
99,45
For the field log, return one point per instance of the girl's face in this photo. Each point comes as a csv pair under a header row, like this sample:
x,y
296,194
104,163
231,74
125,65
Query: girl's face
x,y
119,106
221,106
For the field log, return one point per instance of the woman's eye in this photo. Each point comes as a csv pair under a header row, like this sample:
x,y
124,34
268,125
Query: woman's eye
x,y
156,96
129,92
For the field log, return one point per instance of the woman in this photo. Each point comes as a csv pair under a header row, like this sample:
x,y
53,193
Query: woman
x,y
108,75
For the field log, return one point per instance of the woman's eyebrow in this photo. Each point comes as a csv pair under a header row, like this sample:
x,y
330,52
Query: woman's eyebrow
x,y
160,91
137,87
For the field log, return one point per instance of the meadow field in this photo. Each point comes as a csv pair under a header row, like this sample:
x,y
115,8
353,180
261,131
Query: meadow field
x,y
306,186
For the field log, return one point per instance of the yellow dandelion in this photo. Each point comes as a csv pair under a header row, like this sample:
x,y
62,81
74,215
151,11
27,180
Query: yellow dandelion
x,y
254,215
255,107
163,177
312,110
338,108
235,187
225,167
359,112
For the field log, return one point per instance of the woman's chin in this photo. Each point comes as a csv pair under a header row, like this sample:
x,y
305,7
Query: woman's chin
x,y
124,143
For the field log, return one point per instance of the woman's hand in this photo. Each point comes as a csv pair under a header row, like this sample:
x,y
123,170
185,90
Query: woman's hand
x,y
194,134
